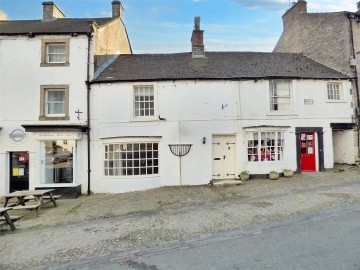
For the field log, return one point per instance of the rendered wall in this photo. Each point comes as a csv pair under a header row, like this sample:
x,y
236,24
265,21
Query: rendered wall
x,y
197,109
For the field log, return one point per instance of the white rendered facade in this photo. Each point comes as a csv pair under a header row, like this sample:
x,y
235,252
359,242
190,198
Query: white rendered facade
x,y
205,113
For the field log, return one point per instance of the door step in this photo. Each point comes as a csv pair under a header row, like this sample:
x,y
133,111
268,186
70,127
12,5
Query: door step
x,y
226,182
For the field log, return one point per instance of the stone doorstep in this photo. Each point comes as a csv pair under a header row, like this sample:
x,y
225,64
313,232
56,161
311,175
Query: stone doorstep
x,y
225,182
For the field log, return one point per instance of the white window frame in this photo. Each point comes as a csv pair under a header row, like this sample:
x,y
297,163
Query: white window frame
x,y
45,43
272,97
48,53
123,158
63,102
265,146
334,95
133,100
44,89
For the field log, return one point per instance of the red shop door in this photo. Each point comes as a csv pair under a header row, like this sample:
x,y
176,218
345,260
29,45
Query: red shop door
x,y
307,152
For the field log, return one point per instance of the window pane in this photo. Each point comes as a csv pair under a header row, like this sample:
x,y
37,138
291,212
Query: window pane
x,y
56,53
55,102
130,163
56,161
280,96
144,101
270,148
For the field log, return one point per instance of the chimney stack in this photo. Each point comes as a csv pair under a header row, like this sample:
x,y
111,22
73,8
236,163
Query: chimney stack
x,y
51,11
358,7
197,40
117,9
3,16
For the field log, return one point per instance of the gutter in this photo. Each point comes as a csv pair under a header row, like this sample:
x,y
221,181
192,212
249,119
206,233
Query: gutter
x,y
88,88
214,79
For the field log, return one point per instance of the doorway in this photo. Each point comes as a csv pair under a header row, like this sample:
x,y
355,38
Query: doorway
x,y
19,171
223,151
307,151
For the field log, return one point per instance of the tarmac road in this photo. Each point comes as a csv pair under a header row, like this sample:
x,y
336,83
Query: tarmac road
x,y
324,241
104,228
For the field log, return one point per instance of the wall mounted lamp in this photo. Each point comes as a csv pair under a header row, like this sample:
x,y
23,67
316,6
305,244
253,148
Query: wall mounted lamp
x,y
204,140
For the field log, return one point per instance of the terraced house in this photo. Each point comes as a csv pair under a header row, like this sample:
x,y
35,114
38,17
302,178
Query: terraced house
x,y
45,69
188,118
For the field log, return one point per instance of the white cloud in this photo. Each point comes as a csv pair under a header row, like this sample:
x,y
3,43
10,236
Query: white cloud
x,y
313,5
331,5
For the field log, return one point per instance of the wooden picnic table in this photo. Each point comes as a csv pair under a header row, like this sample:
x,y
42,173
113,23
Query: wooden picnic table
x,y
42,196
5,214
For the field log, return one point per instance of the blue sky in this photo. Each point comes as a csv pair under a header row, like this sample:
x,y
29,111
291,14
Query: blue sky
x,y
165,26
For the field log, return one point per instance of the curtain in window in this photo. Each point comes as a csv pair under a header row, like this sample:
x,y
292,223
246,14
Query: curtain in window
x,y
56,53
55,102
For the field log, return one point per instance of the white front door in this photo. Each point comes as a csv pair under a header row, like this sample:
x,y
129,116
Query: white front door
x,y
223,151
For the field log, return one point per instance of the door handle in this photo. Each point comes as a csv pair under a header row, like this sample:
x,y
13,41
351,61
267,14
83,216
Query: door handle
x,y
217,158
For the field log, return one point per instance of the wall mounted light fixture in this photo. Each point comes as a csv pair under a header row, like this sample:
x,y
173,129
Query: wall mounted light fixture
x,y
204,140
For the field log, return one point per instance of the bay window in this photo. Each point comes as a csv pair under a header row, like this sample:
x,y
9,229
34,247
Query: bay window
x,y
265,146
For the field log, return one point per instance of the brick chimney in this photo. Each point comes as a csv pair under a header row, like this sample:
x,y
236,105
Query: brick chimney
x,y
293,13
3,16
197,40
51,11
117,9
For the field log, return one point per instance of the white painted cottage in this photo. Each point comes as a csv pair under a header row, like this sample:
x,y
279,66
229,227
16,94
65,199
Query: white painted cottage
x,y
45,69
188,118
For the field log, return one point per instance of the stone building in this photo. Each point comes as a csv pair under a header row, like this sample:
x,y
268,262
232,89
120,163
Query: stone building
x,y
332,39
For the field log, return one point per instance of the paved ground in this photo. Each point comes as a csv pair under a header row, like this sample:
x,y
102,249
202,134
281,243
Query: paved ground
x,y
100,224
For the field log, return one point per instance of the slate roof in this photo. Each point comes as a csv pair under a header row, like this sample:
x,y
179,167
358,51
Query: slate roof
x,y
56,26
216,65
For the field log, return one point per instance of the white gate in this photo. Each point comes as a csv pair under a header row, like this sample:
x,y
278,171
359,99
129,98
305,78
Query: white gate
x,y
223,152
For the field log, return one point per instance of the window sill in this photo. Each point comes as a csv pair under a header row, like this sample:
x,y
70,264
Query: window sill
x,y
335,101
48,118
132,177
281,113
145,119
54,64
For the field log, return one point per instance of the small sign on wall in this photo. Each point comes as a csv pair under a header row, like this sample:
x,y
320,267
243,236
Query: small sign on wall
x,y
308,101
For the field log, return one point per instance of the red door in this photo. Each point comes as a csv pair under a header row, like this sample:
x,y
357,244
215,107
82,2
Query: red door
x,y
307,152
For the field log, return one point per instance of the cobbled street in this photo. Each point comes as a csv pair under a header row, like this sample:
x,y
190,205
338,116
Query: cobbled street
x,y
122,226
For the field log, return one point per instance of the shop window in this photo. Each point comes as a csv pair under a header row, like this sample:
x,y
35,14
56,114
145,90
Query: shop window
x,y
57,161
126,159
265,146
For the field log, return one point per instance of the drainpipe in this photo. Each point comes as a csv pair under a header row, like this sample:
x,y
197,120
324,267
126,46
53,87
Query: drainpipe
x,y
88,88
356,79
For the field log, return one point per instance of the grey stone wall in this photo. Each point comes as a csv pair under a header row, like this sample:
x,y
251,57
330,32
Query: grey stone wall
x,y
323,37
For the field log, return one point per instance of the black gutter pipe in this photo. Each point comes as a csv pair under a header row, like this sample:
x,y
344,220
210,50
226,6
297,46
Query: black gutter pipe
x,y
88,88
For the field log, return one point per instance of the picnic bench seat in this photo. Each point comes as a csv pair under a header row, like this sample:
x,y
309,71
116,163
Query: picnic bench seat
x,y
13,218
28,207
46,197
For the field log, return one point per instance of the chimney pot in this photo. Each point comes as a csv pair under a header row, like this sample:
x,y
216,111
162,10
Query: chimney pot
x,y
117,9
51,11
197,40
